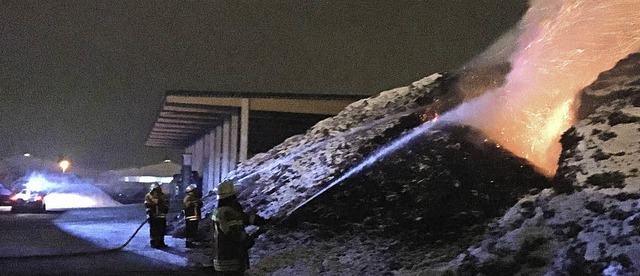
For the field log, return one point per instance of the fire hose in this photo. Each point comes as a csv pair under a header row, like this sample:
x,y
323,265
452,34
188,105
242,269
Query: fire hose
x,y
83,253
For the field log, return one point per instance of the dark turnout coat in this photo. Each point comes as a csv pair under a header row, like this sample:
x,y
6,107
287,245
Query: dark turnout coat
x,y
231,240
192,206
157,204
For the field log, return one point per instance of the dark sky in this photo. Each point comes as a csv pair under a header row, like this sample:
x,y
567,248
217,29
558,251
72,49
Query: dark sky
x,y
85,79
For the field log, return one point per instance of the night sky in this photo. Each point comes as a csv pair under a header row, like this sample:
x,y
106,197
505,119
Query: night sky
x,y
85,79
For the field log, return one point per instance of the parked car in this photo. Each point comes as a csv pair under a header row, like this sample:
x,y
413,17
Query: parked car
x,y
27,200
5,194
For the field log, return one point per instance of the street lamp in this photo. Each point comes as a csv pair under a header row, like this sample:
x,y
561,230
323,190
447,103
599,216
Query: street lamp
x,y
64,164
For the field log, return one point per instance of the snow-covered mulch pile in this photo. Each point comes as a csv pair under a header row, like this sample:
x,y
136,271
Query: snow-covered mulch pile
x,y
418,209
277,181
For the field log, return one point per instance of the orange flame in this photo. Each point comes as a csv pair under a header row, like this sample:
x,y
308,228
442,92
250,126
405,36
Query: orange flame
x,y
563,47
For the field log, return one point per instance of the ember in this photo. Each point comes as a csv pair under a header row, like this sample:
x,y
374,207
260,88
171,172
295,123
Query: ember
x,y
562,47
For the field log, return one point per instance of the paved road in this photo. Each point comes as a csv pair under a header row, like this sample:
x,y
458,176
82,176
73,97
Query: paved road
x,y
78,241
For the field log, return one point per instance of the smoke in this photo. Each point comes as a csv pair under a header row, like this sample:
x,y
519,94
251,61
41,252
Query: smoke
x,y
557,49
67,191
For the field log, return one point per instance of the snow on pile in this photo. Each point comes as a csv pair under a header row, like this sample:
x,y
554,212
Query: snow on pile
x,y
276,181
587,225
607,135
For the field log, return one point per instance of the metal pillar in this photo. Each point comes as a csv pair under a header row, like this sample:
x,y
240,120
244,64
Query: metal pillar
x,y
233,141
217,154
207,169
244,130
198,156
186,173
224,166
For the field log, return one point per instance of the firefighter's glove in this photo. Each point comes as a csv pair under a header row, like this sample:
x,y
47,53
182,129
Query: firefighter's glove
x,y
260,230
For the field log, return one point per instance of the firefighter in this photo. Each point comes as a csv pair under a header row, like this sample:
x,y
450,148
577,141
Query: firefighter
x,y
157,204
192,205
231,241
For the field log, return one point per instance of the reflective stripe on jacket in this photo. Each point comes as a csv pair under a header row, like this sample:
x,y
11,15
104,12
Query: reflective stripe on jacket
x,y
192,206
231,240
227,265
157,204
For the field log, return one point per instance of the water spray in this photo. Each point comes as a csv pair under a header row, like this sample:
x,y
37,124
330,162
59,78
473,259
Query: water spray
x,y
373,158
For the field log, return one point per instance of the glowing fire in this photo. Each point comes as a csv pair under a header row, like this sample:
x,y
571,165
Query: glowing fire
x,y
562,48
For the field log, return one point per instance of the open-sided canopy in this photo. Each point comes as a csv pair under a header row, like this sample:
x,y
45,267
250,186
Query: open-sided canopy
x,y
186,116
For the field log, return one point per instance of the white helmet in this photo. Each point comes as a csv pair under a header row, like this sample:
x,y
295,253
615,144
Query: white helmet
x,y
191,188
154,186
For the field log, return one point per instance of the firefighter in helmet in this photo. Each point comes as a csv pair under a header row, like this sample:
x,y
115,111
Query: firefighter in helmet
x,y
231,241
192,205
157,204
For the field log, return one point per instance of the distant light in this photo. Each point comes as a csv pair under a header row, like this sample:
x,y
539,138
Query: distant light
x,y
26,154
64,165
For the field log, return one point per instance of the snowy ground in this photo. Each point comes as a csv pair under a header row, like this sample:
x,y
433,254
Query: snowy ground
x,y
80,241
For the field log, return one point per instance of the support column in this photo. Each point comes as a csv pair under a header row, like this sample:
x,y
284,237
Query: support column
x,y
233,141
244,130
207,166
186,172
198,156
224,170
217,164
211,163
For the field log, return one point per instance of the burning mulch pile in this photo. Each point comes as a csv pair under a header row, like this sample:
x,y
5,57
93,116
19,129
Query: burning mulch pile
x,y
590,223
413,210
419,205
438,191
417,209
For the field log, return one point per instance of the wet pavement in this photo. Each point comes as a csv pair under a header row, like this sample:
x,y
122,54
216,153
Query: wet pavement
x,y
86,241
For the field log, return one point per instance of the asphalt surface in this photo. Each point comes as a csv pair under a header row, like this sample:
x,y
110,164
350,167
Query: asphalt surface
x,y
82,242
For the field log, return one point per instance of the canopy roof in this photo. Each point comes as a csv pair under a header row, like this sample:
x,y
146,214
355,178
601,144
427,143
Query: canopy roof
x,y
186,116
164,169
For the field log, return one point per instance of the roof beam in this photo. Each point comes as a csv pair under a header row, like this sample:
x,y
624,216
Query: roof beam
x,y
173,131
210,101
188,115
199,108
176,126
184,121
